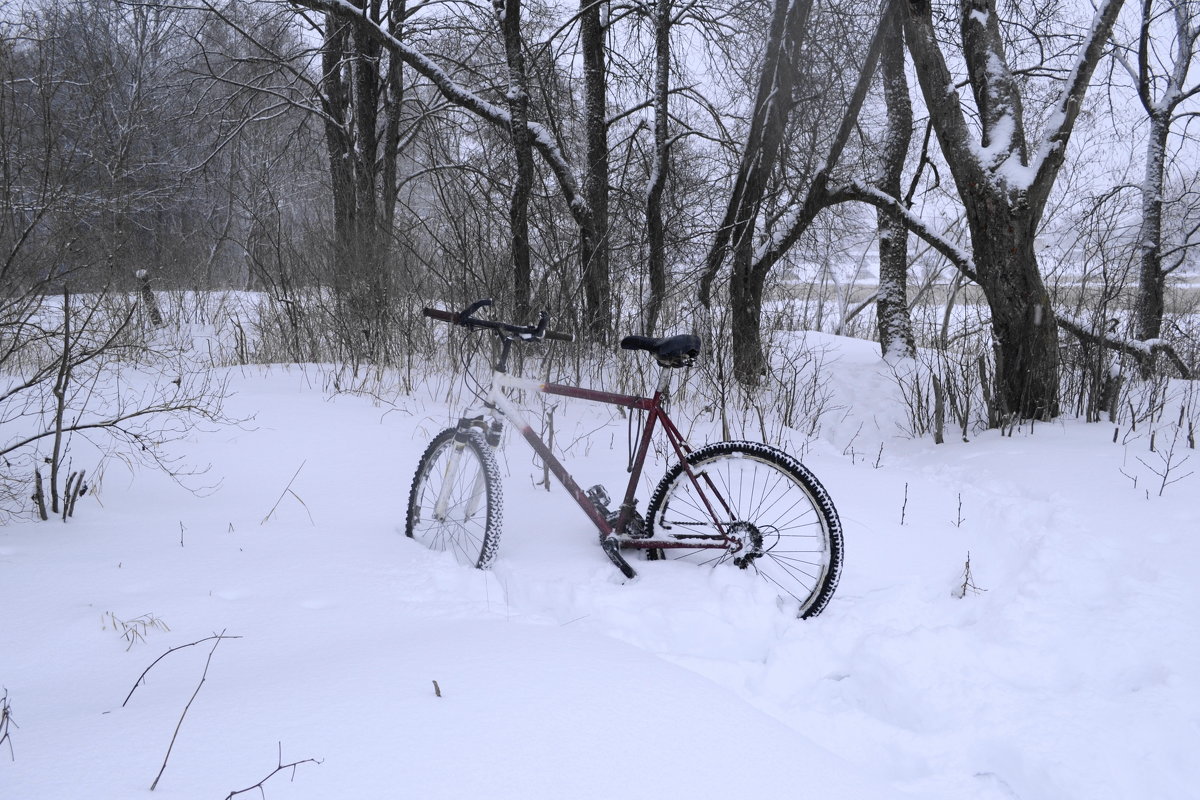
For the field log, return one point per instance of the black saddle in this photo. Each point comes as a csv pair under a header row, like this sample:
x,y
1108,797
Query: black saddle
x,y
673,351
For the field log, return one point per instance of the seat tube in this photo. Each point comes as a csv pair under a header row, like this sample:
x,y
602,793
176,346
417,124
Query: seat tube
x,y
639,462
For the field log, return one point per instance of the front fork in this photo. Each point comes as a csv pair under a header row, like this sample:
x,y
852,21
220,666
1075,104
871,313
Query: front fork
x,y
478,495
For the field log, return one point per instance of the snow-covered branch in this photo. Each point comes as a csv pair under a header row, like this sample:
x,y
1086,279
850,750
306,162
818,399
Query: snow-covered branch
x,y
1051,150
856,190
1141,351
462,96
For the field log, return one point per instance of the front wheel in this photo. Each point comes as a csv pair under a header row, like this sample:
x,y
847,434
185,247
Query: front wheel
x,y
455,502
775,518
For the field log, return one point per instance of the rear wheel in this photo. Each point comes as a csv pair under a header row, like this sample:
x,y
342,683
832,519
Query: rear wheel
x,y
779,520
455,502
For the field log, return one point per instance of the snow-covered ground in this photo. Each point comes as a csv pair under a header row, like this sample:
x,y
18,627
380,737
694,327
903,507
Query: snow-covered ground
x,y
1072,672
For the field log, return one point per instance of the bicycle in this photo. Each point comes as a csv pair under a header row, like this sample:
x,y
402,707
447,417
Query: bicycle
x,y
740,503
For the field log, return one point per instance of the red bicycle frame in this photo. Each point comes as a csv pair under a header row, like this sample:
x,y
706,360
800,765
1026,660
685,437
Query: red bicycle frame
x,y
612,536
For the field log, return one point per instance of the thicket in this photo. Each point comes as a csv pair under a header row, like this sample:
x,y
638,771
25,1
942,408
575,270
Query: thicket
x,y
184,187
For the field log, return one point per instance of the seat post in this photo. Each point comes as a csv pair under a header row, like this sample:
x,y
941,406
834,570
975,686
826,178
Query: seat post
x,y
664,379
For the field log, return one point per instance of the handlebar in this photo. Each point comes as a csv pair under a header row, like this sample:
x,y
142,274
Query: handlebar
x,y
467,319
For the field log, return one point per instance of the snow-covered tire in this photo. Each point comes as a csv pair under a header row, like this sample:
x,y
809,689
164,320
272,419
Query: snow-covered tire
x,y
470,526
772,498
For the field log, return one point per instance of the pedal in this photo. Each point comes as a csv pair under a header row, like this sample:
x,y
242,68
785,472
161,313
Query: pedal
x,y
599,497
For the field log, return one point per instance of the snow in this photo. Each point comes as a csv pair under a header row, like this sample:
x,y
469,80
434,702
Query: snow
x,y
1072,673
1001,146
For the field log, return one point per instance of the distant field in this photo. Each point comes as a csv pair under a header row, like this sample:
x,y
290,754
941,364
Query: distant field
x,y
1182,297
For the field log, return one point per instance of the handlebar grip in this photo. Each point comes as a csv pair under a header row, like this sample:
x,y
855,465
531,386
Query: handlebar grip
x,y
560,336
437,313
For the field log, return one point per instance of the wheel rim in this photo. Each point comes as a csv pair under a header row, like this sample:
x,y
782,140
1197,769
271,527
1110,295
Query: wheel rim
x,y
462,526
776,529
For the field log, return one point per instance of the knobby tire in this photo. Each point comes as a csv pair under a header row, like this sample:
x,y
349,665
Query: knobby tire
x,y
772,499
470,528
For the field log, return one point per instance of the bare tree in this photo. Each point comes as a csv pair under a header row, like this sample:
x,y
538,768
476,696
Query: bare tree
x,y
1004,180
1159,64
64,169
594,242
358,84
751,261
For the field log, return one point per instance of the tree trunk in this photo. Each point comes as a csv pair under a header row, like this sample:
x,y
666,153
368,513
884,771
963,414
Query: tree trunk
x,y
655,232
745,306
393,105
771,106
509,14
1151,280
362,163
335,102
735,237
60,389
1024,330
594,244
891,309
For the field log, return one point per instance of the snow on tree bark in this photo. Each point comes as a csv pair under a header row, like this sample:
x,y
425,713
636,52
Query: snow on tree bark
x,y
1002,191
891,309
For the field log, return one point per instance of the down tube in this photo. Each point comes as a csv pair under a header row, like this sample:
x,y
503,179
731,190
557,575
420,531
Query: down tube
x,y
567,481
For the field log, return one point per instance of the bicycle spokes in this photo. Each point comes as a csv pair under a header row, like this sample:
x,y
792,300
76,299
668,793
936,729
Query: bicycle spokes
x,y
756,508
455,500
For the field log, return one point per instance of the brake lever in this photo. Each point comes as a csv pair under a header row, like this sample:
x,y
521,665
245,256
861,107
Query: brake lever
x,y
535,333
464,317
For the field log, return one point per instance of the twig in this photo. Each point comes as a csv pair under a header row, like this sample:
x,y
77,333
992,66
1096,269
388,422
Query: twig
x,y
75,494
142,677
179,724
280,768
968,584
5,721
287,489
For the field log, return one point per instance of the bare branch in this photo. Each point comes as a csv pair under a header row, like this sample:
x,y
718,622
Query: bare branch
x,y
217,640
278,769
142,677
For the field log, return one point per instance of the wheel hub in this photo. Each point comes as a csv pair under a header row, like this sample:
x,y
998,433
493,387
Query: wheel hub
x,y
745,543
